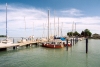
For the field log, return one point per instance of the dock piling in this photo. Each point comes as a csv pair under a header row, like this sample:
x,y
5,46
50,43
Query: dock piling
x,y
14,47
13,40
26,45
76,40
73,41
86,45
67,44
3,49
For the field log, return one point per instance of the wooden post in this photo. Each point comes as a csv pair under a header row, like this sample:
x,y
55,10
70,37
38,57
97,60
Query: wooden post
x,y
14,47
27,45
22,39
37,44
67,44
73,41
77,39
86,45
13,40
3,49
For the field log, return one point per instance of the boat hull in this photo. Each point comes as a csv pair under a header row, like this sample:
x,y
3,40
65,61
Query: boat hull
x,y
52,46
68,45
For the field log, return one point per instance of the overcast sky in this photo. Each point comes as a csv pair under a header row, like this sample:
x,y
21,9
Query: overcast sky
x,y
30,17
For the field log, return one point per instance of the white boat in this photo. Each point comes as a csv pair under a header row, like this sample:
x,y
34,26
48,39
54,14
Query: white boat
x,y
22,41
6,41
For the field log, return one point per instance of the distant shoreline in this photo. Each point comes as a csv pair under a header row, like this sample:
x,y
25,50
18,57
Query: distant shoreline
x,y
94,38
2,35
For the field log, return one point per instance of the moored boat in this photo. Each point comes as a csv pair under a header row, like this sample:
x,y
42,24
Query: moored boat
x,y
53,45
69,44
6,41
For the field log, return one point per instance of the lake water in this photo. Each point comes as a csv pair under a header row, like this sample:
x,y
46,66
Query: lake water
x,y
46,57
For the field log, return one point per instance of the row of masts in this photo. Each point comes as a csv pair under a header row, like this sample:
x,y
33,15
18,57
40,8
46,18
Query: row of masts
x,y
54,25
58,26
59,30
49,26
7,26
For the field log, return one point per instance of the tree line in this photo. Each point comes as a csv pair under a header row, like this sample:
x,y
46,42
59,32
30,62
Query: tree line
x,y
2,35
85,33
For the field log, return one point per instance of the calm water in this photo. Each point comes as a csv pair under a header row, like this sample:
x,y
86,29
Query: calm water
x,y
45,57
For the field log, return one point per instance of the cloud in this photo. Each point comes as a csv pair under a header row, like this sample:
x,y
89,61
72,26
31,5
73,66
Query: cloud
x,y
72,12
34,18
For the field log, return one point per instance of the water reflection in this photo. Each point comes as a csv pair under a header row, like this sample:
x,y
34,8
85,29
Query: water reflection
x,y
86,60
47,57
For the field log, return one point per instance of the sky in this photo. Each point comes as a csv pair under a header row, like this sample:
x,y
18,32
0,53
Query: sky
x,y
30,17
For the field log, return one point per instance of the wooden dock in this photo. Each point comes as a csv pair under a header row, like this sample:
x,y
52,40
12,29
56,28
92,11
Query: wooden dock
x,y
7,45
15,45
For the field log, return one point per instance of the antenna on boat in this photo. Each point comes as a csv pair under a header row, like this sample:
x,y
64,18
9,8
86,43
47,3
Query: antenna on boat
x,y
6,21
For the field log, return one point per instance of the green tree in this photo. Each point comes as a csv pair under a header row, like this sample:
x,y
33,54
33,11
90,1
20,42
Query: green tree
x,y
2,35
69,33
82,33
76,33
86,33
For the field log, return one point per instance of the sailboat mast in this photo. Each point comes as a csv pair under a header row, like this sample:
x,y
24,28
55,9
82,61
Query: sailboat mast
x,y
50,30
25,26
58,26
48,25
54,23
43,30
61,29
6,21
33,28
72,29
75,27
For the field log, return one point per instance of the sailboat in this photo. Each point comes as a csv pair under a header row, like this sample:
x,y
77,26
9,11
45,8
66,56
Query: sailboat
x,y
23,40
54,43
6,41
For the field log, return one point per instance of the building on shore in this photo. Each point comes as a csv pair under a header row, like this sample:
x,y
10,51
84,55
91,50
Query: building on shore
x,y
96,36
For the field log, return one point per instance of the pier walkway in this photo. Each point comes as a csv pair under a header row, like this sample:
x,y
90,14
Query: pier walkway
x,y
2,45
15,45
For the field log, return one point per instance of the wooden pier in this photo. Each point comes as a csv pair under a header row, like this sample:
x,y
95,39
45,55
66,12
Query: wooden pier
x,y
4,47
